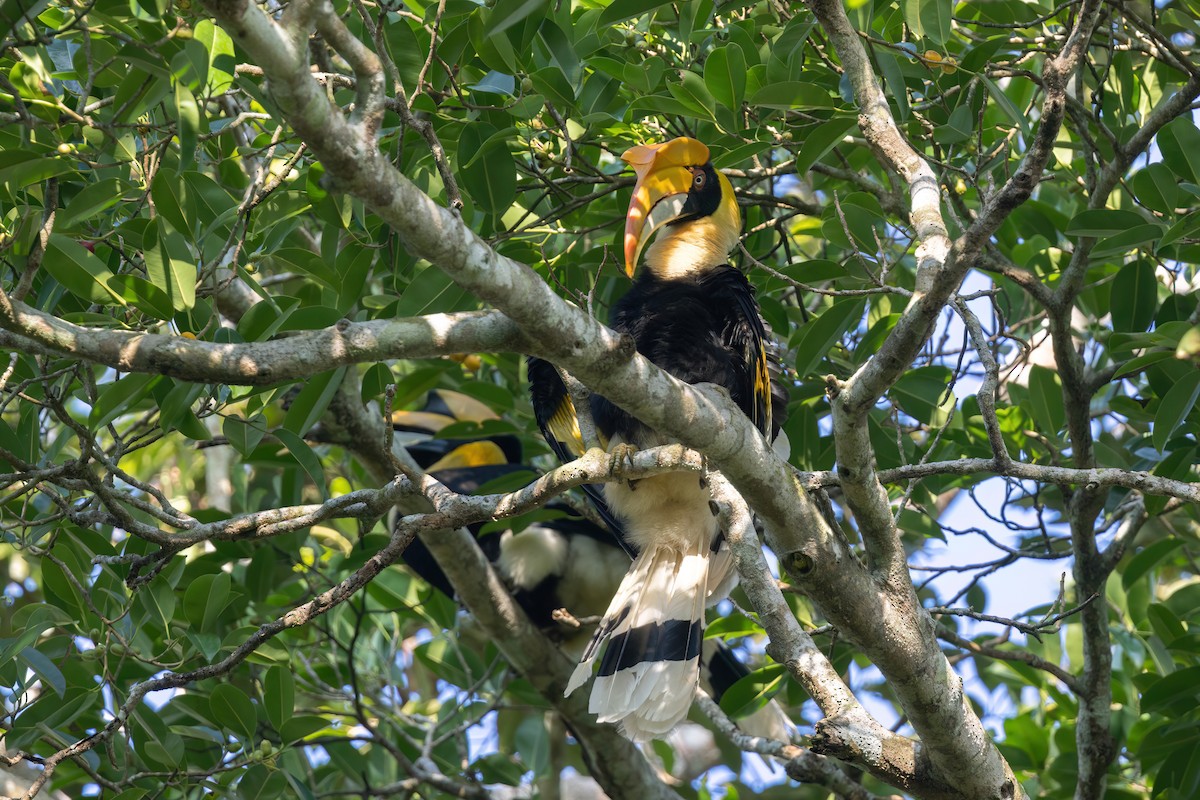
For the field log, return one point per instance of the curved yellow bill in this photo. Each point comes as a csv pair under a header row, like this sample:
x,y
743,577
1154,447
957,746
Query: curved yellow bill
x,y
663,181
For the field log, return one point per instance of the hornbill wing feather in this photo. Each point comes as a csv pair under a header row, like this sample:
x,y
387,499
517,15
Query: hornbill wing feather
x,y
754,350
762,394
556,417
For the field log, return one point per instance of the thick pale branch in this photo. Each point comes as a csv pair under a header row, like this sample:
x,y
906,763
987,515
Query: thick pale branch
x,y
892,758
801,765
262,363
912,331
368,71
1144,482
990,387
926,686
879,127
614,761
946,721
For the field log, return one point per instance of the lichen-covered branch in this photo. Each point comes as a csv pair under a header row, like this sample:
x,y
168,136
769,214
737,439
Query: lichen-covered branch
x,y
290,358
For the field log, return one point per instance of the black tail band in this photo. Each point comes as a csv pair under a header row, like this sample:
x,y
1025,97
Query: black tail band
x,y
672,640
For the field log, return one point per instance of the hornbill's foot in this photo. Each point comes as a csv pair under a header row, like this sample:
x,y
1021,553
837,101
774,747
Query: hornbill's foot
x,y
622,459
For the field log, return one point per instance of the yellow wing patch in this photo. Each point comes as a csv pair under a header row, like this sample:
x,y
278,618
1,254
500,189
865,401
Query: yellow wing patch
x,y
466,408
473,454
564,426
421,420
762,391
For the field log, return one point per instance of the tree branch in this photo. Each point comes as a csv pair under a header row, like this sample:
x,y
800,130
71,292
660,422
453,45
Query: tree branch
x,y
261,363
701,419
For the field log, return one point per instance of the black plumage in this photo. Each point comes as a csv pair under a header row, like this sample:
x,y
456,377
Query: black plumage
x,y
702,328
695,316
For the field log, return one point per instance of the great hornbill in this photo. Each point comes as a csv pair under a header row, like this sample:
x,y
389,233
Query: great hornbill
x,y
694,315
565,562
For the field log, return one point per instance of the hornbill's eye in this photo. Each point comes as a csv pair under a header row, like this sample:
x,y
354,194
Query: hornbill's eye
x,y
698,179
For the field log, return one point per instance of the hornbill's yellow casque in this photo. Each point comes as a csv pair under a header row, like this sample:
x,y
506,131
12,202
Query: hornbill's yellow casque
x,y
695,316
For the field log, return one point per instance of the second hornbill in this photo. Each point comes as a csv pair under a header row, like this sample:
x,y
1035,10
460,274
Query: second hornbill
x,y
694,315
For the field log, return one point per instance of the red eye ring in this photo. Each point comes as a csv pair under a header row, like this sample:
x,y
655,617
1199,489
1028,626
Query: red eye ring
x,y
698,179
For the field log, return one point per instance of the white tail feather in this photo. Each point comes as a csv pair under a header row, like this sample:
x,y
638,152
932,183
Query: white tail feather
x,y
655,623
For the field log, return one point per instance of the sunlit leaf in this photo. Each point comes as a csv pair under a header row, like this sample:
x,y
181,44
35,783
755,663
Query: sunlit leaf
x,y
1176,405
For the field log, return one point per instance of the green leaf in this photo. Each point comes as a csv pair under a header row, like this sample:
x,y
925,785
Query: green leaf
x,y
787,95
624,9
205,599
1147,559
234,711
170,266
304,456
1134,297
34,628
1128,240
553,84
958,128
921,393
499,768
929,18
658,104
265,318
49,713
1138,364
19,169
160,598
752,692
131,794
1006,105
691,91
279,695
1180,687
725,75
821,333
1157,187
143,295
487,170
507,13
732,625
221,61
260,783
79,271
433,291
1175,407
820,140
1103,222
91,201
121,397
496,83
1179,141
188,113
562,51
533,744
244,435
170,200
893,78
448,661
1045,396
189,66
297,728
1185,228
309,405
50,675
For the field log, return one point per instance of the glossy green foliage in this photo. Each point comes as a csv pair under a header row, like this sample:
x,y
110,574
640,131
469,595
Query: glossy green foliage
x,y
144,172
